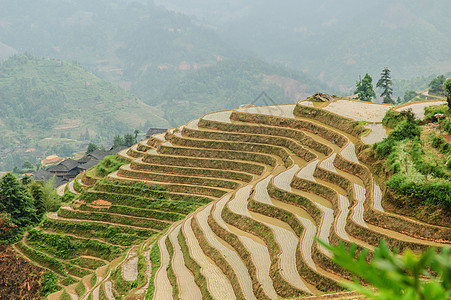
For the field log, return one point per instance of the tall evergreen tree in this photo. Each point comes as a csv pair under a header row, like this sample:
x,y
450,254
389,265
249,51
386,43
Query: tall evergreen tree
x,y
37,193
385,83
364,89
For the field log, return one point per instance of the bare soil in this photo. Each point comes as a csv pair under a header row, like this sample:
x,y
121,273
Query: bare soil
x,y
19,279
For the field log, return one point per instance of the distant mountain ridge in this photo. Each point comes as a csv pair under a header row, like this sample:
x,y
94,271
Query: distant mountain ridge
x,y
46,103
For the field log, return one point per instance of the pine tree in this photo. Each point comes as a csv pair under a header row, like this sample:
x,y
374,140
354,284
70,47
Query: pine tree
x,y
38,196
364,89
385,83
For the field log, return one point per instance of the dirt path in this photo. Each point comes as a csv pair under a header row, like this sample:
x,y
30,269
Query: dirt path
x,y
218,285
163,288
185,280
232,257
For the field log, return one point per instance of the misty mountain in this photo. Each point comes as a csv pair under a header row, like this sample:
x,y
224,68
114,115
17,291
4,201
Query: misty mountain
x,y
335,41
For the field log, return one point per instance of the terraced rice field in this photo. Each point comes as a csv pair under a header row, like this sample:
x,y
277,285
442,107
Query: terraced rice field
x,y
233,202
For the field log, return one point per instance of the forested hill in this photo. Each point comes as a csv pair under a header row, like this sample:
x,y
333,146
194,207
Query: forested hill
x,y
231,83
335,40
141,46
52,99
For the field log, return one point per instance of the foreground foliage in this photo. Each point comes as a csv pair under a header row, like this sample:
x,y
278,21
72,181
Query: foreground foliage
x,y
391,276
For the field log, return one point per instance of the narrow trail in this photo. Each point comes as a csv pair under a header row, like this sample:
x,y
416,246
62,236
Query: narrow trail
x,y
185,280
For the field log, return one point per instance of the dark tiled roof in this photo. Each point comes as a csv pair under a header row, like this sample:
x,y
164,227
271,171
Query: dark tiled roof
x,y
97,154
116,150
69,164
84,159
89,164
42,175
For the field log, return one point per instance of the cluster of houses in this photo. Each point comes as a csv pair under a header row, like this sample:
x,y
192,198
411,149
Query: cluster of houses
x,y
68,169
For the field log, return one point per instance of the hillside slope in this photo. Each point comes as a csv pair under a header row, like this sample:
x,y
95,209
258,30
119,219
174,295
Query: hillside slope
x,y
227,207
321,38
44,100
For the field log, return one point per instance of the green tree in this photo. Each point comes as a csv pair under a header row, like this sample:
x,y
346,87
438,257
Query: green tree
x,y
393,276
409,95
436,85
129,140
448,92
118,141
385,84
37,194
91,148
16,203
364,89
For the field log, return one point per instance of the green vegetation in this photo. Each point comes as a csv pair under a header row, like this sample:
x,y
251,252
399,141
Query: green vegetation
x,y
80,289
448,92
436,86
156,262
118,235
67,247
17,210
397,277
226,85
49,283
417,163
46,98
385,84
364,89
109,164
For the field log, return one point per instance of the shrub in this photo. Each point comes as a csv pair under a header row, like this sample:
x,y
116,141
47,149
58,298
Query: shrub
x,y
49,283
